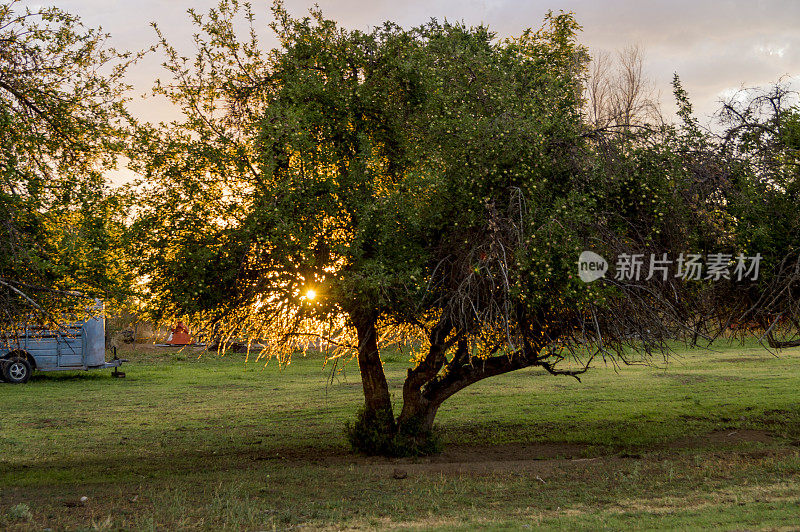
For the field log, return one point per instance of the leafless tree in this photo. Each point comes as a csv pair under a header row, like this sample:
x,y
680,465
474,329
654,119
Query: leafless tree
x,y
619,92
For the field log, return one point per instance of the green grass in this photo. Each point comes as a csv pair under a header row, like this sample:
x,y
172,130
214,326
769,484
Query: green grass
x,y
711,440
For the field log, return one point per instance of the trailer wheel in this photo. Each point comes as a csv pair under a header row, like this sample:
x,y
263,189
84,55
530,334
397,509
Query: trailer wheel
x,y
16,370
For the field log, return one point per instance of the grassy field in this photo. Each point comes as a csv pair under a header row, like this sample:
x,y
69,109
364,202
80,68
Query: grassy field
x,y
711,440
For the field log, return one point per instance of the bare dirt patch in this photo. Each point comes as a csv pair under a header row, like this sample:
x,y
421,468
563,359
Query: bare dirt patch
x,y
723,437
469,459
543,458
529,458
536,458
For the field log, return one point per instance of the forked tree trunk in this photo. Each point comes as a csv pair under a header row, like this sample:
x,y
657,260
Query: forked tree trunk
x,y
424,390
431,382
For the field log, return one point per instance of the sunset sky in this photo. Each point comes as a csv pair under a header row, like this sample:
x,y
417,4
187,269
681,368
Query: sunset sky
x,y
716,47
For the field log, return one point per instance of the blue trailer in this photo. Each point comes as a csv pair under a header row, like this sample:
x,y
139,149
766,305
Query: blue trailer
x,y
73,346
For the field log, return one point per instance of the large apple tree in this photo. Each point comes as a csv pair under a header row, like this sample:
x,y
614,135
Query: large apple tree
x,y
431,187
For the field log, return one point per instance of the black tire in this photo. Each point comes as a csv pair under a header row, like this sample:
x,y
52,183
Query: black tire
x,y
16,370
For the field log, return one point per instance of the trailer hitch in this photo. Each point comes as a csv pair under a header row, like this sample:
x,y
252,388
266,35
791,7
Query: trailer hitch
x,y
117,373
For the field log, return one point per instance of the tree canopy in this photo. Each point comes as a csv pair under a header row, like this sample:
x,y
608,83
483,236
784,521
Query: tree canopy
x,y
61,111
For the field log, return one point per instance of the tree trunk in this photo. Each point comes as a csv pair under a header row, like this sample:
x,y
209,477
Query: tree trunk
x,y
418,409
373,380
419,416
417,413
